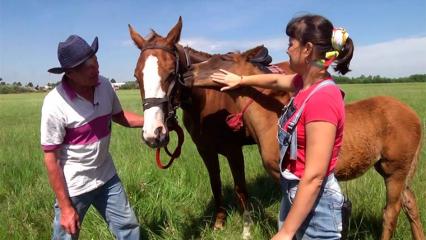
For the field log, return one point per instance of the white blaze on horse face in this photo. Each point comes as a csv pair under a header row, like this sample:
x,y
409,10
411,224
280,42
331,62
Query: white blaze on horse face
x,y
154,116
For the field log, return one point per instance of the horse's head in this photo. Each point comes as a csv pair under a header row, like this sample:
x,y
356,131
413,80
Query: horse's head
x,y
156,72
239,63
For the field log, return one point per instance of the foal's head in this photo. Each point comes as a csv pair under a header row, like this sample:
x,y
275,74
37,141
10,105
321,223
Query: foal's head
x,y
238,63
155,72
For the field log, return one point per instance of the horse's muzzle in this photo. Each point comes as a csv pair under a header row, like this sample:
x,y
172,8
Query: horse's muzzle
x,y
160,140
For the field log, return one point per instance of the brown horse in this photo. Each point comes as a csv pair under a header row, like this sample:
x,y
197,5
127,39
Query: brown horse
x,y
379,131
161,63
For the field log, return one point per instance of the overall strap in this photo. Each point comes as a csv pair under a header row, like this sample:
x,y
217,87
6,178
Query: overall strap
x,y
294,121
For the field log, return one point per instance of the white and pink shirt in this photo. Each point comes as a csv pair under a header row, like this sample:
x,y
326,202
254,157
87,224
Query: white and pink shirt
x,y
80,131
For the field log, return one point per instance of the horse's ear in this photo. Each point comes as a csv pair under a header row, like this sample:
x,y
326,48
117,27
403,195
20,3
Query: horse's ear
x,y
251,53
137,39
174,35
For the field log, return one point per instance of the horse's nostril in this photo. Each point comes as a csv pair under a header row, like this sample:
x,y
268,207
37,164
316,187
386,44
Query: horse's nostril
x,y
158,131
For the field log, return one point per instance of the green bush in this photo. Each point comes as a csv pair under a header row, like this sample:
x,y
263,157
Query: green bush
x,y
8,88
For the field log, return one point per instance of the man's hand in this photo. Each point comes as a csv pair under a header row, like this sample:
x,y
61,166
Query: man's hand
x,y
282,236
70,220
128,119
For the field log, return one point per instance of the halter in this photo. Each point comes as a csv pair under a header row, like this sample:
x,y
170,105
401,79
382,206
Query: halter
x,y
152,102
171,118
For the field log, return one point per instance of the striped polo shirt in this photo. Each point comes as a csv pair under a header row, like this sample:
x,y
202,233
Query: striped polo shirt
x,y
80,132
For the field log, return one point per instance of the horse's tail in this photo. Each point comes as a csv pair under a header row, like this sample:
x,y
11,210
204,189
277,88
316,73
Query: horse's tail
x,y
416,157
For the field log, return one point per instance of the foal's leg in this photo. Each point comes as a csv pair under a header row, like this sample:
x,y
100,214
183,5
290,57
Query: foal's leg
x,y
409,205
211,161
395,184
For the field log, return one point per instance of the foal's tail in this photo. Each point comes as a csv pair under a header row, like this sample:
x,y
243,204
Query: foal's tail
x,y
416,157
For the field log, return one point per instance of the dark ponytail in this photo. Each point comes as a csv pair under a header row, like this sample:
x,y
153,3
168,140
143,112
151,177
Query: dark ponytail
x,y
344,58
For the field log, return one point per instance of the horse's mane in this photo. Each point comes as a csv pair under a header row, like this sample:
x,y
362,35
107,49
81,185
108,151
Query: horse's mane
x,y
153,34
204,54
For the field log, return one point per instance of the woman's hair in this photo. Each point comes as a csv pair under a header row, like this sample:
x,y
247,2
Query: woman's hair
x,y
318,30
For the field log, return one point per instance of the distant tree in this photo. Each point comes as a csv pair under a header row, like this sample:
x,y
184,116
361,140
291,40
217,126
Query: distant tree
x,y
30,84
1,79
113,80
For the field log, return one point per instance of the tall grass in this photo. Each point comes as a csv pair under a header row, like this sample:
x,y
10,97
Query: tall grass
x,y
175,203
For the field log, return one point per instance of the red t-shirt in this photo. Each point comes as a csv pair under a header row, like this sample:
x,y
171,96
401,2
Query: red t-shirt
x,y
324,105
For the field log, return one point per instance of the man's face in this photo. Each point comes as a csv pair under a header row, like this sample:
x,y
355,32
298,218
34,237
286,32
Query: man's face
x,y
86,74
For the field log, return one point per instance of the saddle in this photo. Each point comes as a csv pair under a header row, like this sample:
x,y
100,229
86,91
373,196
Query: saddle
x,y
262,59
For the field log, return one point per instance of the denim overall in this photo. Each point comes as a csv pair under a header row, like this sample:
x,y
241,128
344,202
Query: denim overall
x,y
288,137
325,219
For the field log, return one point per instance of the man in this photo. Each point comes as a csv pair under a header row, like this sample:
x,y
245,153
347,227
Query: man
x,y
75,134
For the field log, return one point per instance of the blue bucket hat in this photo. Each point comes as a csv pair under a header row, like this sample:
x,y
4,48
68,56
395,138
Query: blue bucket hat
x,y
73,52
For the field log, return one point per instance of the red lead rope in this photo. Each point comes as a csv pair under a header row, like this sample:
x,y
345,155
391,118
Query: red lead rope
x,y
177,151
235,120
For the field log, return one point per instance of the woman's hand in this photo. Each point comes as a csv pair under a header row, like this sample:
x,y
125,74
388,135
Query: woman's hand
x,y
230,80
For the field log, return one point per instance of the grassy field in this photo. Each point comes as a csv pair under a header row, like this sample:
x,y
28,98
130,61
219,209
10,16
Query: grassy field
x,y
175,203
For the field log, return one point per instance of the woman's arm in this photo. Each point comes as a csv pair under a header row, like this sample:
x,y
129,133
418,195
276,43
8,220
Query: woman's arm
x,y
320,137
271,81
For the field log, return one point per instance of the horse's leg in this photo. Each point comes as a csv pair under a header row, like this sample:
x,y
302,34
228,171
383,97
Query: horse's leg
x,y
268,148
409,205
211,161
236,163
395,184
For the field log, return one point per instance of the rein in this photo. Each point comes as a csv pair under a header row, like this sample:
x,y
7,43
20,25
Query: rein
x,y
171,119
176,153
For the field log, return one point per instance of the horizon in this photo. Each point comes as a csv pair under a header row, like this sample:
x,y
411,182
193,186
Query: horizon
x,y
389,36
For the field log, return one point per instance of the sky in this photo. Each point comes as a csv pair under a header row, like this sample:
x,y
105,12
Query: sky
x,y
389,35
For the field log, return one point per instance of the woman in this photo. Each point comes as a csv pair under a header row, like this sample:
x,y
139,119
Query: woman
x,y
311,207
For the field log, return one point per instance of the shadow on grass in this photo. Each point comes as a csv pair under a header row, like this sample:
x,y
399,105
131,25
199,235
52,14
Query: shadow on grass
x,y
364,226
134,190
263,193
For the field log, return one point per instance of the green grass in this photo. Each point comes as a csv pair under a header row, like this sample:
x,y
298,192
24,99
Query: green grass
x,y
175,203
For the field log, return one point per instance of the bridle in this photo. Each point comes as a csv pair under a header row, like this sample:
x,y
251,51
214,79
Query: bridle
x,y
171,104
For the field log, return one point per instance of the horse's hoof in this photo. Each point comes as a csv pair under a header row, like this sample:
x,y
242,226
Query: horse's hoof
x,y
220,220
218,226
248,222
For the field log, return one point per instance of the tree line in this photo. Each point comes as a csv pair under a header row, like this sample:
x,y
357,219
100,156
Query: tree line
x,y
18,87
378,79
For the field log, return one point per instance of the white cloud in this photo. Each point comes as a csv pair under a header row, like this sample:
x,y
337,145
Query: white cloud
x,y
397,58
219,46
